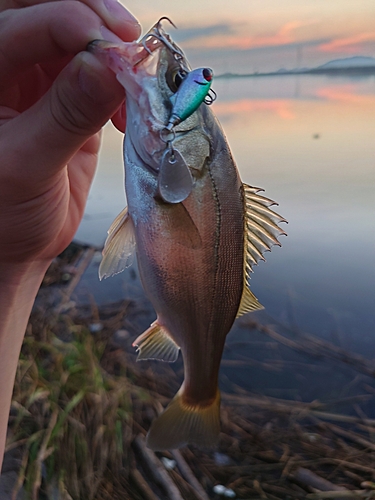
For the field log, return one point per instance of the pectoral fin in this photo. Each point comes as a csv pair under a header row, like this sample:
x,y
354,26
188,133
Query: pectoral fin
x,y
261,231
119,246
156,343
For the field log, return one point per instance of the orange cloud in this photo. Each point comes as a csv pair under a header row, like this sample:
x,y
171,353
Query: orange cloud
x,y
353,44
285,35
280,107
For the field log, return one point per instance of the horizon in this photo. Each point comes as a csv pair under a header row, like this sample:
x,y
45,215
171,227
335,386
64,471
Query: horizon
x,y
326,67
265,36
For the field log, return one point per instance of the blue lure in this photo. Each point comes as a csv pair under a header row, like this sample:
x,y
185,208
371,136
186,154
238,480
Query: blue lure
x,y
191,93
175,181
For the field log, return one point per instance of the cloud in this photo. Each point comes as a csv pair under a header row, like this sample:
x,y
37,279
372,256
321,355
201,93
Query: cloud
x,y
236,37
349,45
202,32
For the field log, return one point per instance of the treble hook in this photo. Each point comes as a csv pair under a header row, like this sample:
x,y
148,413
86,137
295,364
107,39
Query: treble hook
x,y
157,32
158,24
210,97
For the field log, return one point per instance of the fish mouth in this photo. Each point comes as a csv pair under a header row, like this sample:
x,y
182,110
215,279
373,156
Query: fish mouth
x,y
157,36
133,53
136,53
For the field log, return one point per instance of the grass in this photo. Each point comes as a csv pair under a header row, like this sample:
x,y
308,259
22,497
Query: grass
x,y
72,417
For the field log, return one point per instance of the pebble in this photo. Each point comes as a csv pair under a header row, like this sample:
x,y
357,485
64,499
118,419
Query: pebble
x,y
222,459
96,327
220,489
121,335
168,464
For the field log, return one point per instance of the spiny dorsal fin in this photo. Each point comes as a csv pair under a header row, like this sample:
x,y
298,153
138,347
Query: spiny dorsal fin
x,y
119,246
156,343
261,231
261,226
249,302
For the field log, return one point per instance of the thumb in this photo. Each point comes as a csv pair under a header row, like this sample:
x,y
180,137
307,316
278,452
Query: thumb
x,y
44,138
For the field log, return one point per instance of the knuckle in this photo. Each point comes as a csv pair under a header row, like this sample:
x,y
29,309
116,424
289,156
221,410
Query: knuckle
x,y
70,114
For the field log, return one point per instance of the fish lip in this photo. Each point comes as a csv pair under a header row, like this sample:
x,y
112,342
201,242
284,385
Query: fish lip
x,y
99,46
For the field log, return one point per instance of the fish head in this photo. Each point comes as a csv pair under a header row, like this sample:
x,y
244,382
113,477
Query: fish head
x,y
151,71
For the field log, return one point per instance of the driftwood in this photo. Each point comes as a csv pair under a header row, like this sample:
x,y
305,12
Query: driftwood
x,y
142,485
157,469
307,478
316,347
81,267
188,475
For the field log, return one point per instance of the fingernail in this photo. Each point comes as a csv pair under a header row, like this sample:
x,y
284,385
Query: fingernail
x,y
119,11
109,35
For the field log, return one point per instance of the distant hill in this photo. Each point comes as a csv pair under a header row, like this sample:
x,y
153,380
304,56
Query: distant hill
x,y
360,65
349,62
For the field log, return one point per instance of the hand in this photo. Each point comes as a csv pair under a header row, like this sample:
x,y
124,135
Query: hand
x,y
54,99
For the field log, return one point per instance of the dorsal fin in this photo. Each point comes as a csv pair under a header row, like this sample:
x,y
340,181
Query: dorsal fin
x,y
119,246
261,231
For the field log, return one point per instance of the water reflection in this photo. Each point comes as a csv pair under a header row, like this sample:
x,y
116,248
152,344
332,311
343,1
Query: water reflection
x,y
312,147
309,141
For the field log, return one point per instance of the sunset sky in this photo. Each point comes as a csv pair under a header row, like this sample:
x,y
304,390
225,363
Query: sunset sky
x,y
265,35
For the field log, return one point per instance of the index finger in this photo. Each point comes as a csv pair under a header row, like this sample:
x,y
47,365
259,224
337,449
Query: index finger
x,y
114,14
45,32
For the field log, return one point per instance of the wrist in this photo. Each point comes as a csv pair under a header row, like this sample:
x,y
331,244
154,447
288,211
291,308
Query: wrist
x,y
22,276
19,284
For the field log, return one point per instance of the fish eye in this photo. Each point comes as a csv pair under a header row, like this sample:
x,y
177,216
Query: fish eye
x,y
179,76
175,78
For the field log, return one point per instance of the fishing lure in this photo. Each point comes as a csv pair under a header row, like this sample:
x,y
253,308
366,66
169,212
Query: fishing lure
x,y
190,95
175,181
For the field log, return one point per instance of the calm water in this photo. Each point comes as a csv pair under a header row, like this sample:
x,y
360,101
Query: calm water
x,y
309,141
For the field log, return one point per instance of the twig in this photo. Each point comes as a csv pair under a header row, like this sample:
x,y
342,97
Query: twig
x,y
140,481
84,262
354,494
43,454
352,437
316,347
342,418
188,475
308,478
157,469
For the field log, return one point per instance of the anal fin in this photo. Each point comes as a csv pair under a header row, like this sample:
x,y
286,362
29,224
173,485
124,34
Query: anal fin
x,y
156,343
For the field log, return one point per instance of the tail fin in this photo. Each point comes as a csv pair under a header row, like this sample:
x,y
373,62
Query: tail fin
x,y
183,423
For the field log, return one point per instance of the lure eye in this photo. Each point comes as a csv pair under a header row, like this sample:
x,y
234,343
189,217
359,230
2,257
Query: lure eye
x,y
208,74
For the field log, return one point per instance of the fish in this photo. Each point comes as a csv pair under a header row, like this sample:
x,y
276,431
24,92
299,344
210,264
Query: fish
x,y
196,234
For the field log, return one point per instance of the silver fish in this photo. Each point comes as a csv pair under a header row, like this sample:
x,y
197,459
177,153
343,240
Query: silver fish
x,y
195,256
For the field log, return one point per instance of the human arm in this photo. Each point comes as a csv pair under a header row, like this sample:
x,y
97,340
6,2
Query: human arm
x,y
54,100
